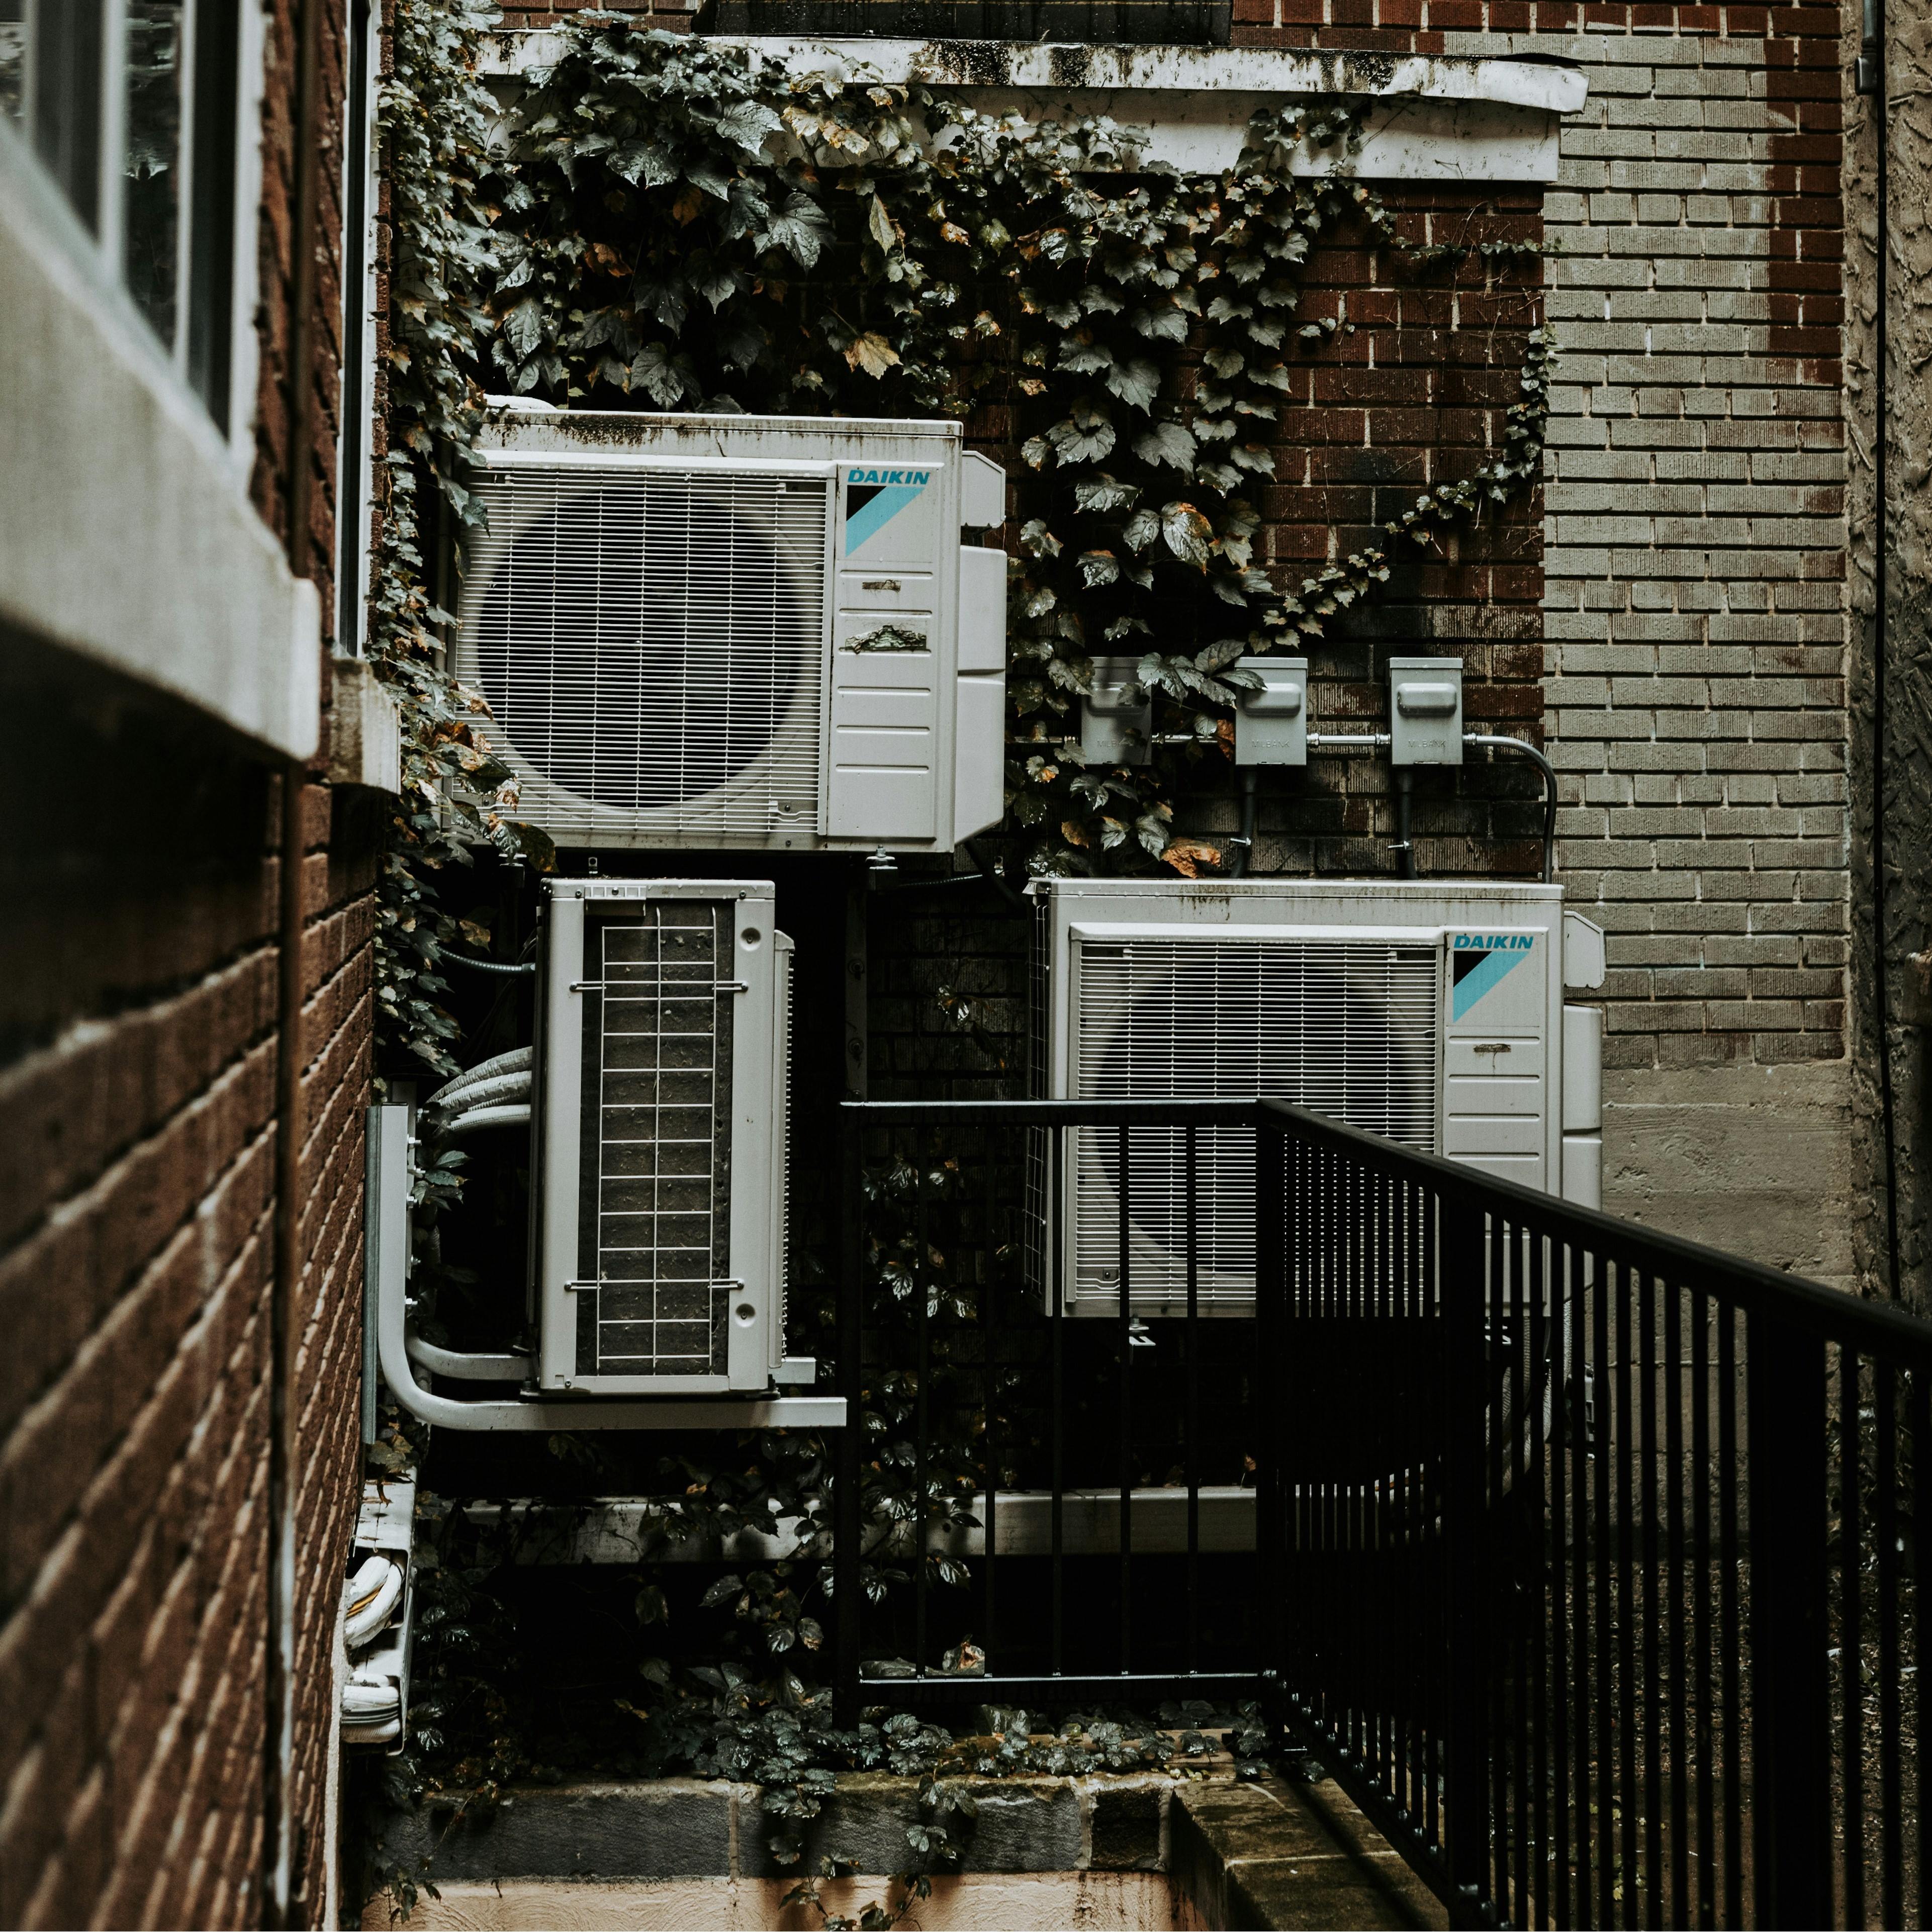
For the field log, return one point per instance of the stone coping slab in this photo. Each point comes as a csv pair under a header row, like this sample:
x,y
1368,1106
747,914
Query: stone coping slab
x,y
1271,1853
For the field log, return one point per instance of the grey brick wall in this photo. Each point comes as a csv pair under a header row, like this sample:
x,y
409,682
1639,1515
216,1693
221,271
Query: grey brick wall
x,y
1694,607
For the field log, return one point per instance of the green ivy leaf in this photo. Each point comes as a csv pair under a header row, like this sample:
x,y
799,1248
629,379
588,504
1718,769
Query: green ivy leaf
x,y
1136,383
1188,534
1166,443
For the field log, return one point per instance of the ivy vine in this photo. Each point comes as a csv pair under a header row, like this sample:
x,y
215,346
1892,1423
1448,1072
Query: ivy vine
x,y
687,225
434,119
670,224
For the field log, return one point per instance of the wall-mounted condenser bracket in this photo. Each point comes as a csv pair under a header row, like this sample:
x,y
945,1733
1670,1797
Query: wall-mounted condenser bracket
x,y
398,1352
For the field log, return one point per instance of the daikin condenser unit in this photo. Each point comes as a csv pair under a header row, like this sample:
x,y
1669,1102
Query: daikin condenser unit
x,y
740,632
1429,1011
655,1103
660,1157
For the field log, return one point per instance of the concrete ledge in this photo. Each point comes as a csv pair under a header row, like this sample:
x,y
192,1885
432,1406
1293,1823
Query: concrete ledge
x,y
1270,1854
685,1827
1278,1856
1040,1901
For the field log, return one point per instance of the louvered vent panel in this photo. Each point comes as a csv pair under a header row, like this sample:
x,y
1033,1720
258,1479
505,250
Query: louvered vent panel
x,y
1346,1028
654,1211
652,645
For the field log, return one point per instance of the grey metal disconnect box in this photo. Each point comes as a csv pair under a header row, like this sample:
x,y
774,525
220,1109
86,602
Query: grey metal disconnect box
x,y
1271,725
1425,711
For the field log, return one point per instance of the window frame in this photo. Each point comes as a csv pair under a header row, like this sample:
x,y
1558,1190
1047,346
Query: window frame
x,y
102,237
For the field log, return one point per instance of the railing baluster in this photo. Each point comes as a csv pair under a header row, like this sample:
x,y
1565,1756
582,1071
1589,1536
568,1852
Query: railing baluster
x,y
1701,1473
1650,1472
1523,1571
1190,1168
1270,1287
1673,1298
1920,1410
1851,1636
1566,1455
1126,1417
1626,1612
1885,1414
922,1411
989,1332
1610,1441
847,1519
1730,1631
1545,1572
1056,1424
1462,1285
1791,1740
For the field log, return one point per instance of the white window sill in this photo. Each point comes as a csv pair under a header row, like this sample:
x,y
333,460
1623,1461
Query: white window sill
x,y
126,536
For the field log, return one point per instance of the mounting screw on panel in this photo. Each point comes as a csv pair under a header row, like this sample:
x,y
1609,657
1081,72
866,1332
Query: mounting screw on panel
x,y
1425,711
1117,715
1271,725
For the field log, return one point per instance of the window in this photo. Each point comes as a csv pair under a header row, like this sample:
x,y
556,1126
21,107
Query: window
x,y
133,108
354,459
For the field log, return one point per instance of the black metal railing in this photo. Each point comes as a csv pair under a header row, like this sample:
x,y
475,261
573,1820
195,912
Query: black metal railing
x,y
1584,1557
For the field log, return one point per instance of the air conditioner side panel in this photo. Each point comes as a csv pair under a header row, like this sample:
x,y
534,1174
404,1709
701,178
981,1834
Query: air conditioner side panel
x,y
562,1077
883,767
757,1097
979,756
1496,1115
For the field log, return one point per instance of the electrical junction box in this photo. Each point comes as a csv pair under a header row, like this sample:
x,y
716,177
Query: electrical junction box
x,y
1117,715
712,632
1271,725
1425,711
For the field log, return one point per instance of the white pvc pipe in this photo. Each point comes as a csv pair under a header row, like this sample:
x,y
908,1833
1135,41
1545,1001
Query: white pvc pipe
x,y
464,1367
389,1256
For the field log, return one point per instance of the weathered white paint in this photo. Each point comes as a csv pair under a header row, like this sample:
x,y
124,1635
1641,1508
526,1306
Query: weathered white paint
x,y
126,535
365,730
979,1902
1434,119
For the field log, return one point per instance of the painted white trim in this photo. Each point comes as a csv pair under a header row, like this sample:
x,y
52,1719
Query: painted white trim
x,y
1433,120
245,347
1056,68
128,538
355,483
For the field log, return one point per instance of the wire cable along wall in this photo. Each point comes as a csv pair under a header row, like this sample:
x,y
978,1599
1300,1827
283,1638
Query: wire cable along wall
x,y
1585,1558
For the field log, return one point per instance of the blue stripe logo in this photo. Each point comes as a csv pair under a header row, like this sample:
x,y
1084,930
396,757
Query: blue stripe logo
x,y
1479,961
873,497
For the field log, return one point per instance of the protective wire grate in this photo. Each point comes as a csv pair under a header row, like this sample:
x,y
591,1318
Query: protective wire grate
x,y
655,1210
1345,1028
652,645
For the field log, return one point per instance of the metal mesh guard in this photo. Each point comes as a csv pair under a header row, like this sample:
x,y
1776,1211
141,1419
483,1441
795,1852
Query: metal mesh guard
x,y
657,1110
652,645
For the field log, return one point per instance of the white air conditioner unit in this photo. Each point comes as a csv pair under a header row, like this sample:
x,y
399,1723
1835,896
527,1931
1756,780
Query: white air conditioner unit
x,y
721,631
1430,1012
660,1160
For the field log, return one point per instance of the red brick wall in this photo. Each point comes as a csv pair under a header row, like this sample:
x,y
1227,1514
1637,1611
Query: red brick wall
x,y
138,1055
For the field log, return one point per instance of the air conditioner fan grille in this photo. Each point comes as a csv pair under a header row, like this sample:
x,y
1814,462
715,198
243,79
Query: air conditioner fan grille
x,y
1345,1028
652,645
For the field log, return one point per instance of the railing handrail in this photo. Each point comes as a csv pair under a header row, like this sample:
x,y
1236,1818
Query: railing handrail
x,y
1755,1288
